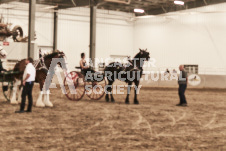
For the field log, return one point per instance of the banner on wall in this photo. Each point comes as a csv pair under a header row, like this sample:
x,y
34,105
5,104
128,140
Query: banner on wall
x,y
5,43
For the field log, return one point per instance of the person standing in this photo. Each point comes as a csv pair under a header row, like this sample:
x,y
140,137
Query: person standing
x,y
28,83
182,81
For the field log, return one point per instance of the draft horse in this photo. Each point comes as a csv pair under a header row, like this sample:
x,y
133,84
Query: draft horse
x,y
41,75
130,73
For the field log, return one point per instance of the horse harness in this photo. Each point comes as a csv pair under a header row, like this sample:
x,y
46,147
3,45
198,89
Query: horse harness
x,y
42,64
135,68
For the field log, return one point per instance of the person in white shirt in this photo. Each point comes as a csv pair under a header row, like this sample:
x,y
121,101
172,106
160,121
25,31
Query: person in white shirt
x,y
28,83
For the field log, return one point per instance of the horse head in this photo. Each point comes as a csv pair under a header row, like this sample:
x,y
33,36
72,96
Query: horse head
x,y
60,54
3,53
55,55
144,54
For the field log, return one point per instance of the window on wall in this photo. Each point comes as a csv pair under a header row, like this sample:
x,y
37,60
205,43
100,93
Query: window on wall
x,y
194,69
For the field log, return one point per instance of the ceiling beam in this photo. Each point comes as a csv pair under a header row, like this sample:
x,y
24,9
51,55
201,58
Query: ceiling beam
x,y
151,7
188,5
6,1
62,4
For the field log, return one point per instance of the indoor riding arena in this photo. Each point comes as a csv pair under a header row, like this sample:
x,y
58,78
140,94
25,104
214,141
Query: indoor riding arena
x,y
110,75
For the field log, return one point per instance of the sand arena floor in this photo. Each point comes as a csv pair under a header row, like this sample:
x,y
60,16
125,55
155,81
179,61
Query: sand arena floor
x,y
155,124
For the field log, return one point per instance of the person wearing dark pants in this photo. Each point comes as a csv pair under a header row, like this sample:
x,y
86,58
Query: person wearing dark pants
x,y
182,81
28,83
27,91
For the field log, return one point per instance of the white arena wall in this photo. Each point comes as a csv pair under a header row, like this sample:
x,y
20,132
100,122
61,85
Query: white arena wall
x,y
114,30
114,34
194,36
174,38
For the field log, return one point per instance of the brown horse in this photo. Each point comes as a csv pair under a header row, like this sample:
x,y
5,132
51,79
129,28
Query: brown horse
x,y
41,75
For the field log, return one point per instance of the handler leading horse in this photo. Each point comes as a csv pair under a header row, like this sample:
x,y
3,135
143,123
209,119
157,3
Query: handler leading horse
x,y
40,78
3,55
129,74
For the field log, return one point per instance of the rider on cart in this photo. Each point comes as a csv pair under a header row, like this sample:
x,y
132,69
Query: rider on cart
x,y
84,67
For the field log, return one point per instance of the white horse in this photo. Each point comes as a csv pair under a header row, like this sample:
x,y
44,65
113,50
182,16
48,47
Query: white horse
x,y
3,53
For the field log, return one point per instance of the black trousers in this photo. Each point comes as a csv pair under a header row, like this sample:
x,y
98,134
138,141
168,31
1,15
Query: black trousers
x,y
181,91
27,91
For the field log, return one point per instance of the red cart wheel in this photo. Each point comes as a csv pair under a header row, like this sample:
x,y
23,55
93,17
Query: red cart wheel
x,y
95,89
74,86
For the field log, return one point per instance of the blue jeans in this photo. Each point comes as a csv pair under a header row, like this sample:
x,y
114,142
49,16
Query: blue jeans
x,y
181,91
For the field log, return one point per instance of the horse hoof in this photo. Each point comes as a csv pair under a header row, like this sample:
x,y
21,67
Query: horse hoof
x,y
40,105
127,102
13,102
112,100
48,104
106,98
136,102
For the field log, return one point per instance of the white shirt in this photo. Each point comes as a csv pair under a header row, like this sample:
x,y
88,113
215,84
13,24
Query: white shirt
x,y
30,69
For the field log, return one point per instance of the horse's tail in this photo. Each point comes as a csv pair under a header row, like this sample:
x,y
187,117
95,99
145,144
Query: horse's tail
x,y
16,67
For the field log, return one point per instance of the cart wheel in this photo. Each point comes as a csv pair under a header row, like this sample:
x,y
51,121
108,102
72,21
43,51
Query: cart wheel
x,y
7,88
74,86
95,89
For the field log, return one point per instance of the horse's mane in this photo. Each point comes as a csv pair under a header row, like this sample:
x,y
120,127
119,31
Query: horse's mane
x,y
50,55
136,60
136,56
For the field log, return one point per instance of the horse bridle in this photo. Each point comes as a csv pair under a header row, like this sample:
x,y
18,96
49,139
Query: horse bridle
x,y
62,55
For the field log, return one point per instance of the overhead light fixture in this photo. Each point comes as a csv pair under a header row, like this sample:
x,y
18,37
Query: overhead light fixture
x,y
50,7
136,10
146,16
179,2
